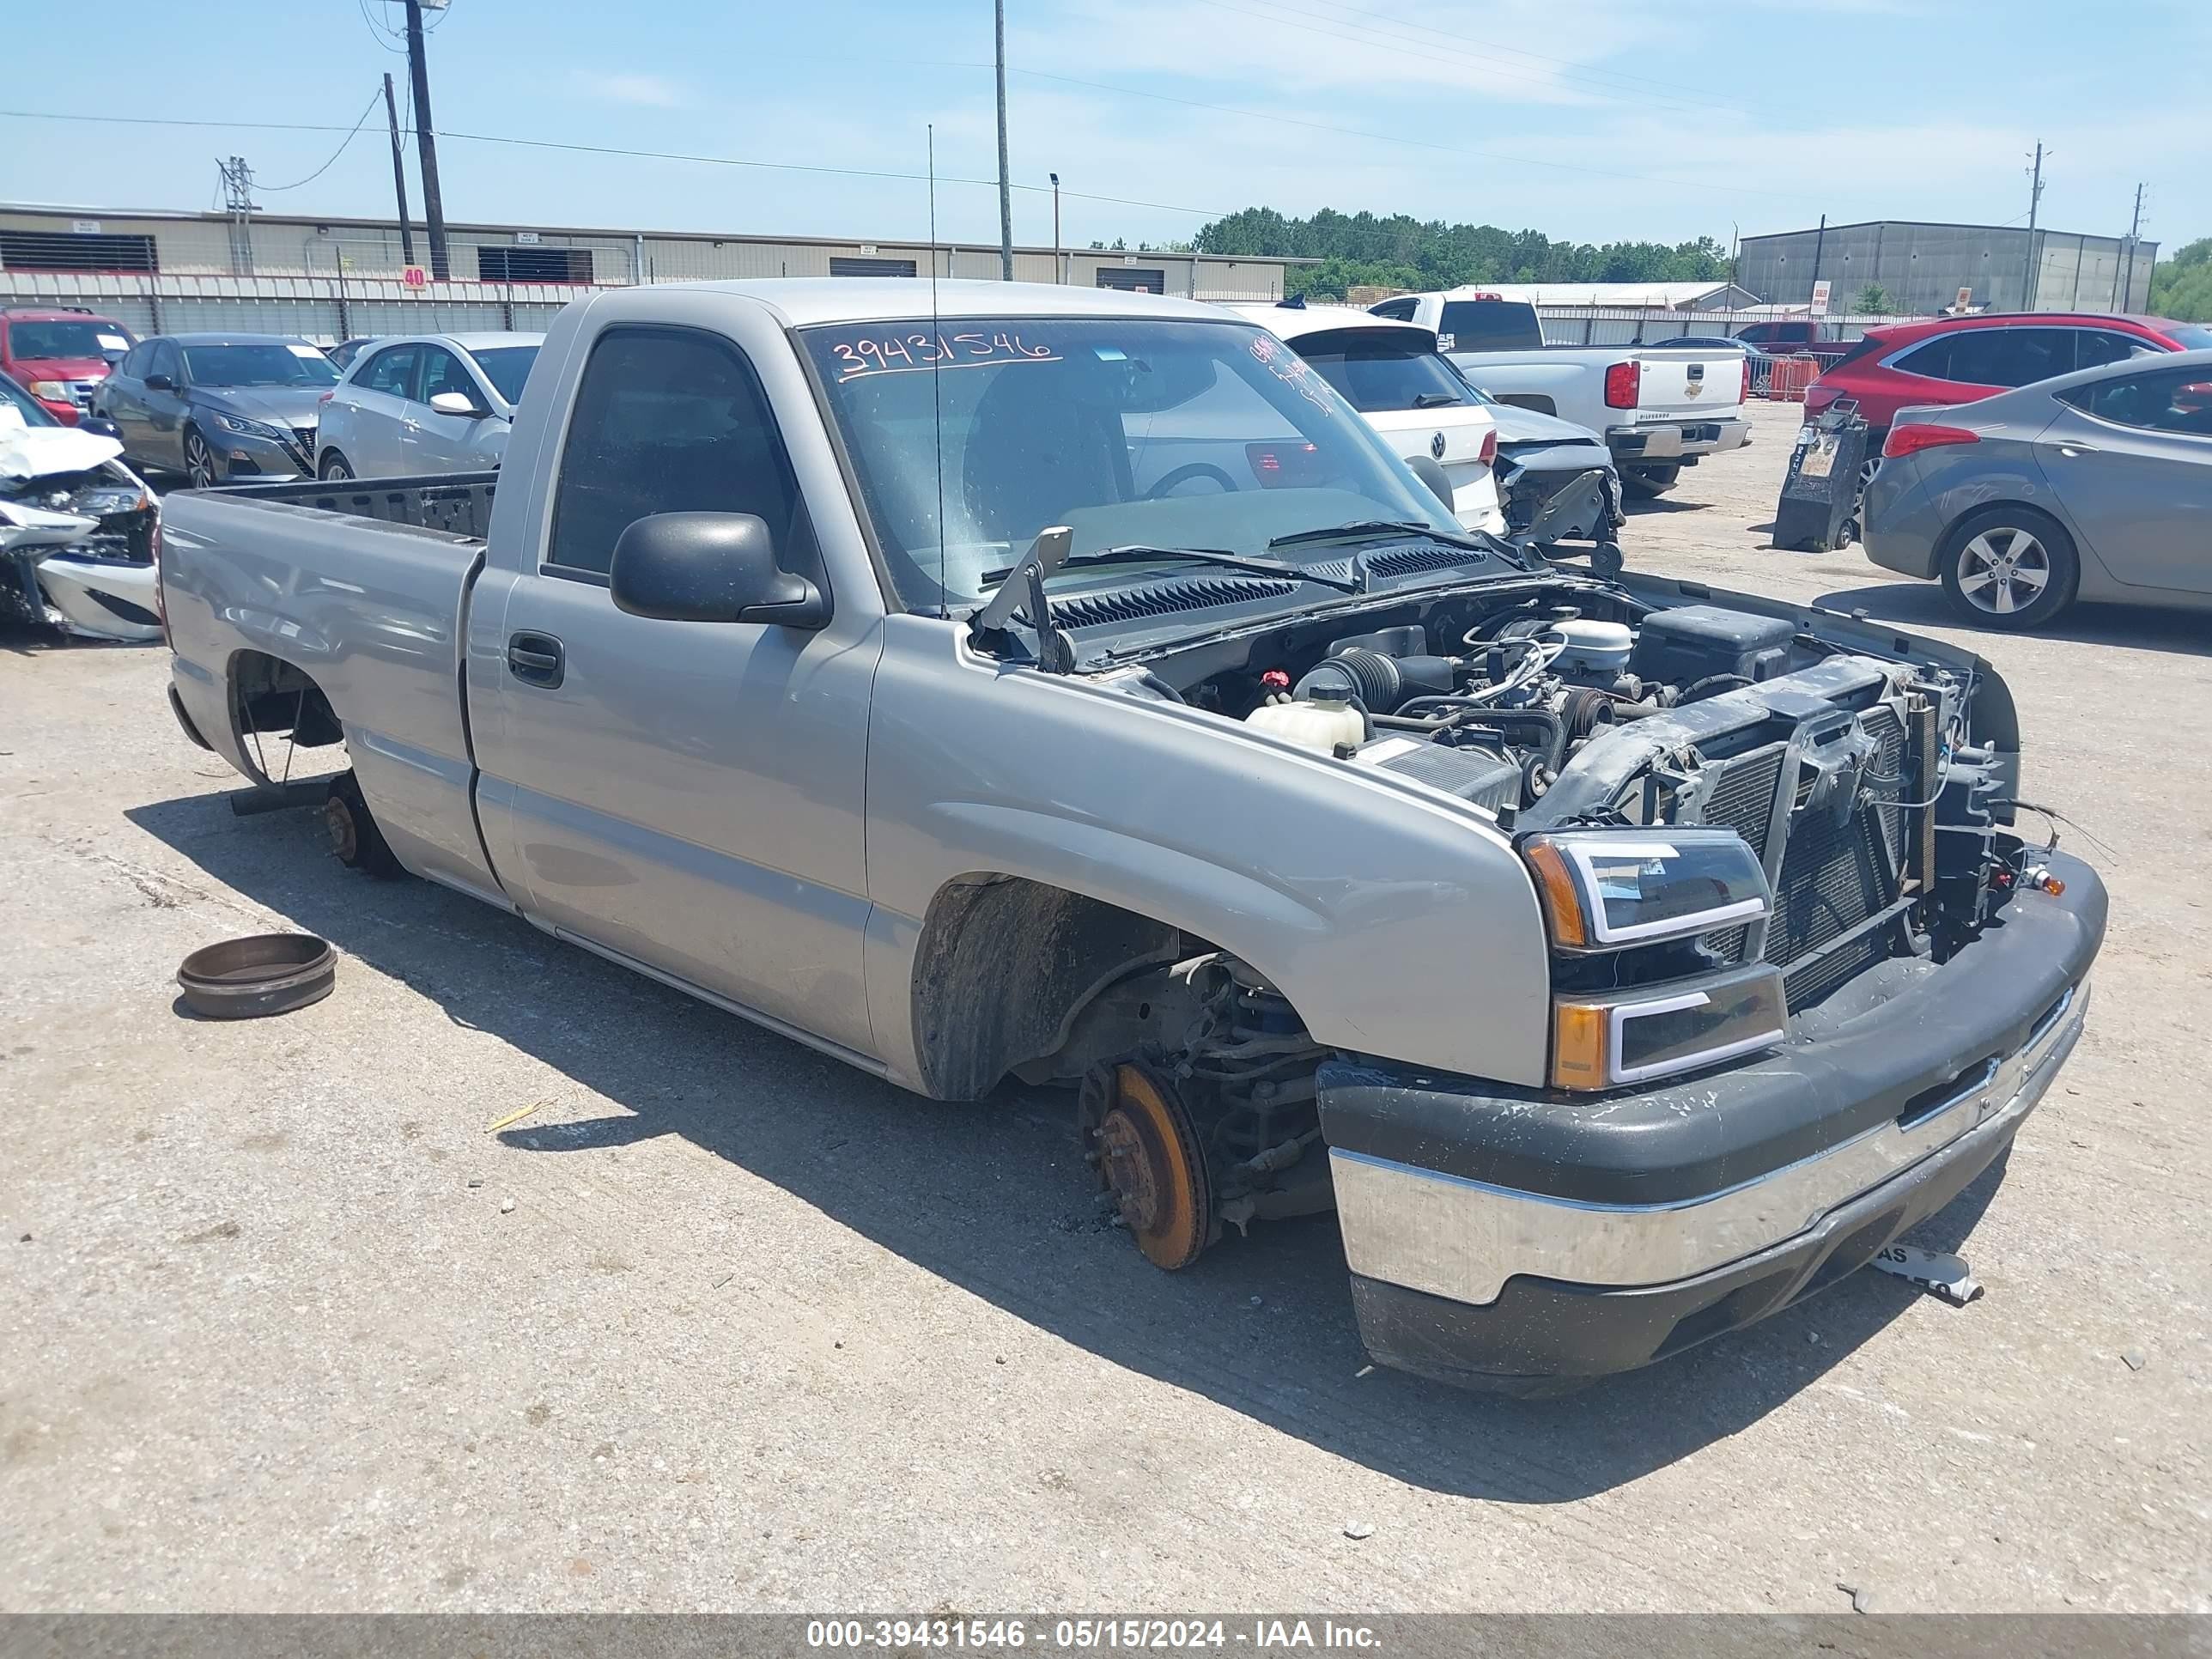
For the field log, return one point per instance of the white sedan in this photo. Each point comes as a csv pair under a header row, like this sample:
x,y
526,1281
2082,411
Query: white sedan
x,y
418,404
1392,373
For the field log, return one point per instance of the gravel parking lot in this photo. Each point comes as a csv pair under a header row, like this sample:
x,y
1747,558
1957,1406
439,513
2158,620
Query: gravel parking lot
x,y
289,1324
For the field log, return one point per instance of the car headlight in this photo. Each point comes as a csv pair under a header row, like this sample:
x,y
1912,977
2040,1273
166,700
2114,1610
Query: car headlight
x,y
50,389
1608,890
250,429
1656,1030
1618,1018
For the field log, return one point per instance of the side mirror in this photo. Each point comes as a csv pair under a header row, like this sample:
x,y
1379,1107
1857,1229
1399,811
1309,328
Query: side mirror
x,y
1437,480
97,428
458,403
160,383
709,566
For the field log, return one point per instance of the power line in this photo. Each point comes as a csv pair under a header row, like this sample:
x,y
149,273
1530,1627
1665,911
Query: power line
x,y
609,149
373,98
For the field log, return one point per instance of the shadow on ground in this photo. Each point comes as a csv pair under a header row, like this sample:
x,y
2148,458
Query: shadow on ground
x,y
994,1197
1923,605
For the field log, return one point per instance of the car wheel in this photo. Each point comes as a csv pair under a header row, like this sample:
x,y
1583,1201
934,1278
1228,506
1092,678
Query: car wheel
x,y
2010,567
199,462
334,466
1645,483
359,844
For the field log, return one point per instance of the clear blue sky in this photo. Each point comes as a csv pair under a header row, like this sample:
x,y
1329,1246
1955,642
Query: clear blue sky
x,y
1596,121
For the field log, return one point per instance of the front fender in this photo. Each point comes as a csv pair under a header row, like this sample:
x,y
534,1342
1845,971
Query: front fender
x,y
1398,922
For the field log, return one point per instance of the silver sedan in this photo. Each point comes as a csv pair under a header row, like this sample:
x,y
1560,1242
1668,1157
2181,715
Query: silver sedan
x,y
2094,485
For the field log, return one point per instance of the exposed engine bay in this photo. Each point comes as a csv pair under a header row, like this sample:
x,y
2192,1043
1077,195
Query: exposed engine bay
x,y
1870,795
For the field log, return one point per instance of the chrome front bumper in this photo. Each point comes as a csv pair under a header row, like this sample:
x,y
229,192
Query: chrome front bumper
x,y
1450,1237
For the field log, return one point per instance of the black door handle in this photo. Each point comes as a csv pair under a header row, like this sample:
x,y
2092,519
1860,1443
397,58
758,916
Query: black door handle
x,y
535,659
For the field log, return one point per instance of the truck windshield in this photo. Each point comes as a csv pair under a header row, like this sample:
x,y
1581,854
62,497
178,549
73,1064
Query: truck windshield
x,y
1379,370
1130,431
259,364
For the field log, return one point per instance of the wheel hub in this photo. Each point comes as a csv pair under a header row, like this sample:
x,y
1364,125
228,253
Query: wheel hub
x,y
1149,1160
338,820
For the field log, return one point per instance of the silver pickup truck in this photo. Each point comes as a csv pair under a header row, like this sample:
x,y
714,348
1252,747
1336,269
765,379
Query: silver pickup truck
x,y
1619,960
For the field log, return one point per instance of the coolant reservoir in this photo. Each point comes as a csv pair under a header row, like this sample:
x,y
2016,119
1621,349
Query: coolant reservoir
x,y
1317,723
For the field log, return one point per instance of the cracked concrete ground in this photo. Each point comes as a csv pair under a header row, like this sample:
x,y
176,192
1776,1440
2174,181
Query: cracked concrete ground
x,y
759,1332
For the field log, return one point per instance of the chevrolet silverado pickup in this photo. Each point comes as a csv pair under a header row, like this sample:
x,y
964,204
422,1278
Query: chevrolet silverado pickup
x,y
1660,407
1619,959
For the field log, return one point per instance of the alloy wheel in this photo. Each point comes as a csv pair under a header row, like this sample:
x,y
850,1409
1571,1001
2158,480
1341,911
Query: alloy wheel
x,y
2003,570
199,462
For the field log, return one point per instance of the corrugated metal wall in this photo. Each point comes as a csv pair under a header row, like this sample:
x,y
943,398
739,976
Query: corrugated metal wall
x,y
1923,267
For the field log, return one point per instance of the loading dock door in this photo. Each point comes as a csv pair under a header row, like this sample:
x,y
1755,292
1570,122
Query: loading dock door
x,y
1133,280
843,267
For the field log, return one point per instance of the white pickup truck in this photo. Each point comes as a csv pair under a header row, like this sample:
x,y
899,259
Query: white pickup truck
x,y
1660,407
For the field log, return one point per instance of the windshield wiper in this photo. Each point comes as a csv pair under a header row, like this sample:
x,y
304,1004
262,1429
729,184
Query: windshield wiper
x,y
1137,553
1438,400
1370,530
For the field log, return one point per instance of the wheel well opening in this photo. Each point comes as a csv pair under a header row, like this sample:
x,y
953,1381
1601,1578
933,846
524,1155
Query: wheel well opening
x,y
1006,966
271,697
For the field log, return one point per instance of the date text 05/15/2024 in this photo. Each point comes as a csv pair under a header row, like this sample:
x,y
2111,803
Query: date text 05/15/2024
x,y
1126,1634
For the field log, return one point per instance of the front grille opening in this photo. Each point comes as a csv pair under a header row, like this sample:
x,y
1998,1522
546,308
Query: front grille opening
x,y
1933,1099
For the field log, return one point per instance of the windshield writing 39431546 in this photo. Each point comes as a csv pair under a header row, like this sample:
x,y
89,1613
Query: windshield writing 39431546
x,y
901,354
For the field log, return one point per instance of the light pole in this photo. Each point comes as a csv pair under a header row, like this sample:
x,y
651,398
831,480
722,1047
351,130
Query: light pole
x,y
1059,259
1006,188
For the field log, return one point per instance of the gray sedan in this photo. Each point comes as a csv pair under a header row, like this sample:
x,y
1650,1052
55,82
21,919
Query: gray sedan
x,y
219,407
2093,485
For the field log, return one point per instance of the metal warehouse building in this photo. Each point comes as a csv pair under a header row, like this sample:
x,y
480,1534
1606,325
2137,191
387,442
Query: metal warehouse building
x,y
331,279
1923,266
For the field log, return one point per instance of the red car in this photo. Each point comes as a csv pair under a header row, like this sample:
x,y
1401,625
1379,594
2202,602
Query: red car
x,y
61,354
1957,360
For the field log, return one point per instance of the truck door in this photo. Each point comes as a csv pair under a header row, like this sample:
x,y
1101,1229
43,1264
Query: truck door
x,y
687,795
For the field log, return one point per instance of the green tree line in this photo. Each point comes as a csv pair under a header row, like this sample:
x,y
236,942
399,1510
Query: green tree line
x,y
1401,252
2181,288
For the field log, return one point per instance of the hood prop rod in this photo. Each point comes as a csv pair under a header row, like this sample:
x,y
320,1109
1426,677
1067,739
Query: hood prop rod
x,y
1024,591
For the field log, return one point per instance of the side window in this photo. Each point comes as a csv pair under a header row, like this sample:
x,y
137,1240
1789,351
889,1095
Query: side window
x,y
2009,357
391,371
1400,309
168,360
2177,400
1930,359
2100,346
442,371
669,420
135,361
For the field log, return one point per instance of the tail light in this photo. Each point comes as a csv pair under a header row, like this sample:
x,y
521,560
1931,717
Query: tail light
x,y
326,396
1623,383
1489,456
1744,397
1284,466
1911,439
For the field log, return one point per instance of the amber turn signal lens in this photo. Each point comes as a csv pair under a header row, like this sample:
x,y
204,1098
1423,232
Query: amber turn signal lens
x,y
1555,884
1578,1035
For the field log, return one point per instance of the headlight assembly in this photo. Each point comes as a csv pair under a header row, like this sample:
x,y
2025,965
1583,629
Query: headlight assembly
x,y
249,428
1656,1030
1609,890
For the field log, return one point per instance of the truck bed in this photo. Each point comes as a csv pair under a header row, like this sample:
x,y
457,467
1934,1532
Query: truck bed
x,y
457,503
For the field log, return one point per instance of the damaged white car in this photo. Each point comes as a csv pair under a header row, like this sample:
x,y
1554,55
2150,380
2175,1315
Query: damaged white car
x,y
78,528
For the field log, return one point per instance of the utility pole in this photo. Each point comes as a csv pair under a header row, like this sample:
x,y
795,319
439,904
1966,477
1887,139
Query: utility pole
x,y
2135,232
2034,197
1820,242
1006,189
1059,259
398,174
238,202
426,143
